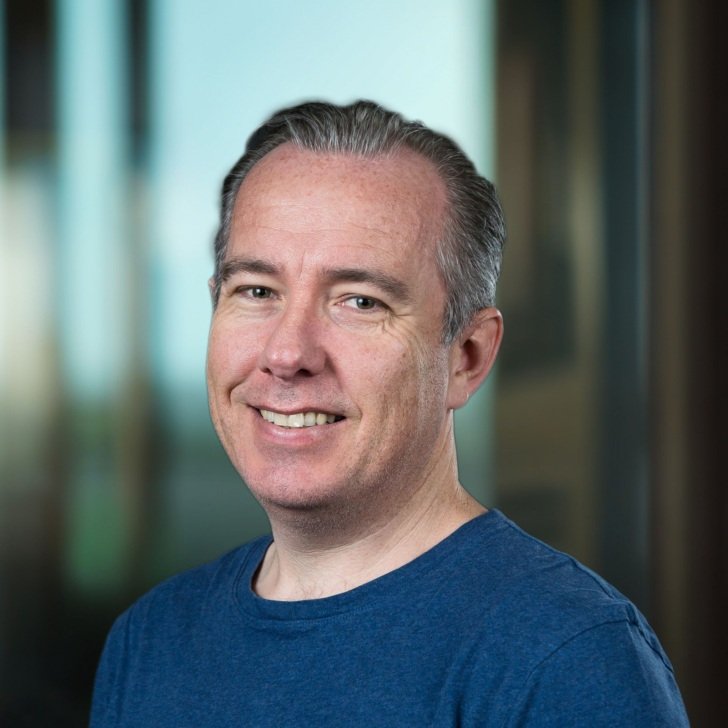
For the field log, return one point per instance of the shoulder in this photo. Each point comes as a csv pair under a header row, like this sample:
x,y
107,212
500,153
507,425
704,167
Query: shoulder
x,y
541,597
156,626
573,647
613,673
507,565
513,565
182,596
160,635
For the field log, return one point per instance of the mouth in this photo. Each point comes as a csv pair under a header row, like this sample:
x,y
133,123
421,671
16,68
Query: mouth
x,y
299,419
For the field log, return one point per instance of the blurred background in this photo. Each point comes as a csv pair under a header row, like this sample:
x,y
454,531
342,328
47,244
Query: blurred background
x,y
602,427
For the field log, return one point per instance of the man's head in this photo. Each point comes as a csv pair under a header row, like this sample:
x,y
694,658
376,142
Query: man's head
x,y
331,384
469,254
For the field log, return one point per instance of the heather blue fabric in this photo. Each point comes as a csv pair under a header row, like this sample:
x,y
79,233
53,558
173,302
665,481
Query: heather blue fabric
x,y
489,628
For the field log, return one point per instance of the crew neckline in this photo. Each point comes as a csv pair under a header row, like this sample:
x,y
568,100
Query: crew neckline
x,y
367,596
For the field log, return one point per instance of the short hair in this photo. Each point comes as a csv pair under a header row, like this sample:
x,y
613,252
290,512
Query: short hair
x,y
469,255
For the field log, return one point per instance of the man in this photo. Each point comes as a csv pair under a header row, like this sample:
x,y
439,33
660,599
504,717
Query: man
x,y
353,295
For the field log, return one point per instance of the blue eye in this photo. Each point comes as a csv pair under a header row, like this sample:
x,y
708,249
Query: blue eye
x,y
259,292
363,303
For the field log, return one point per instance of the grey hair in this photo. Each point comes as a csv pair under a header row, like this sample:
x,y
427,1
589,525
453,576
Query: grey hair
x,y
469,256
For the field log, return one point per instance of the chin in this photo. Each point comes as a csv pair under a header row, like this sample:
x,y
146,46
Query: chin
x,y
290,495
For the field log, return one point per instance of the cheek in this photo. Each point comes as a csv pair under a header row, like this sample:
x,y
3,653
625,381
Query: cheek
x,y
229,353
430,367
406,376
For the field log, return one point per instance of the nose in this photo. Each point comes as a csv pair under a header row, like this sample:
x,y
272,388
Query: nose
x,y
294,345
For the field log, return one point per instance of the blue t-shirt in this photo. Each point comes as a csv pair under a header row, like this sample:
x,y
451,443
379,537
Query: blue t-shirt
x,y
489,628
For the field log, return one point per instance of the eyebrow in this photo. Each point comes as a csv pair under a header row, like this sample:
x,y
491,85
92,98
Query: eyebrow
x,y
246,265
385,282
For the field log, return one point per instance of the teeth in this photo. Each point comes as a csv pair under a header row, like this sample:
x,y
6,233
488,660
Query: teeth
x,y
299,419
279,419
296,420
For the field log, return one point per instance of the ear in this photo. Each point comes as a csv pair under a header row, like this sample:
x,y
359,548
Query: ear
x,y
472,355
211,288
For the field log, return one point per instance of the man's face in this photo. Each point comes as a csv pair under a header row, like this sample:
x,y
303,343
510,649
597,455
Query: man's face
x,y
331,308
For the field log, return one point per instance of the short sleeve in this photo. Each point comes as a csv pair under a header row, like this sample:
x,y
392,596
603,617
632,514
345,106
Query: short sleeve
x,y
609,675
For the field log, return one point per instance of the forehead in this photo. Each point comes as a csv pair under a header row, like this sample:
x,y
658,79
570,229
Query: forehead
x,y
397,198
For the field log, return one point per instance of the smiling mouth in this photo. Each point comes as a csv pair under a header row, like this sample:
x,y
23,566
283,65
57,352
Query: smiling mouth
x,y
299,419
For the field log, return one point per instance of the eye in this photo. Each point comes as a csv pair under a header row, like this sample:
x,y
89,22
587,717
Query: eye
x,y
255,292
363,303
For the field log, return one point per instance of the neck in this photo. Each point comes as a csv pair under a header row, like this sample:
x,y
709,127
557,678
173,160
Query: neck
x,y
308,563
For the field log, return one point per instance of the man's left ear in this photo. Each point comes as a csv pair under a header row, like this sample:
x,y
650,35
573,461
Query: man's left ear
x,y
472,355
